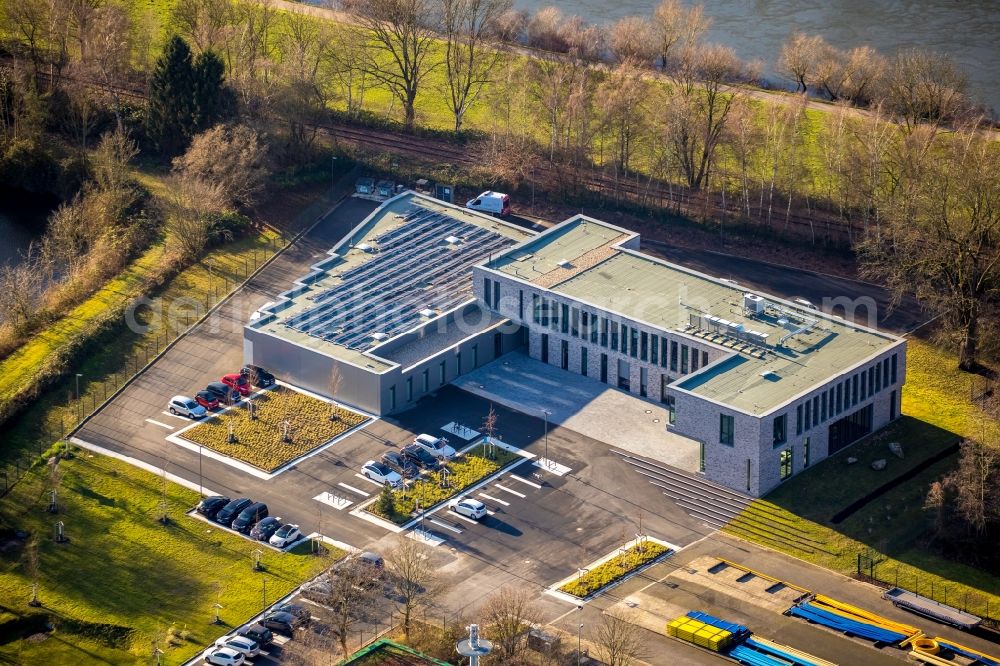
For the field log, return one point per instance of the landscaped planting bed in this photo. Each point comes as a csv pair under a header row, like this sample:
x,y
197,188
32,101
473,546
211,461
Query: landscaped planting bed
x,y
465,470
614,569
261,441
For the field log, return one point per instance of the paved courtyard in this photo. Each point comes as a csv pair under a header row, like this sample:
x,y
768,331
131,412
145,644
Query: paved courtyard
x,y
584,405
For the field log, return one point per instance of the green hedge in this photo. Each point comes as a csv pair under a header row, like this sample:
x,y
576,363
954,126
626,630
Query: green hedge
x,y
465,470
617,567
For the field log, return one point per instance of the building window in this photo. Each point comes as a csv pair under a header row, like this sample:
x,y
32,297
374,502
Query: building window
x,y
780,429
892,370
604,368
392,398
545,347
564,318
805,452
624,347
644,346
544,311
584,324
892,406
575,323
664,353
664,382
496,294
487,291
798,420
654,350
684,359
475,356
442,372
864,383
604,332
704,359
634,338
785,464
871,382
822,407
808,405
520,304
725,429
840,397
885,372
458,362
694,359
427,380
878,378
614,335
564,354
624,375
673,355
536,310
409,389
583,361
593,328
854,390
643,377
701,456
671,409
815,411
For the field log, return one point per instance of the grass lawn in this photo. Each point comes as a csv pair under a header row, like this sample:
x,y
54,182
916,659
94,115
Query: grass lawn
x,y
796,517
260,442
465,470
124,580
614,569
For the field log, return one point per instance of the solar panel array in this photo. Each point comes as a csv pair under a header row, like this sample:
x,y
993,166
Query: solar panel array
x,y
414,269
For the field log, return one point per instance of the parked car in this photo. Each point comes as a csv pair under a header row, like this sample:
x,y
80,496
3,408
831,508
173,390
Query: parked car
x,y
494,203
282,622
228,513
804,302
286,535
221,656
381,474
265,529
298,611
259,634
237,382
210,506
257,376
207,399
181,405
436,446
225,394
369,561
468,507
250,516
420,457
317,589
395,460
245,646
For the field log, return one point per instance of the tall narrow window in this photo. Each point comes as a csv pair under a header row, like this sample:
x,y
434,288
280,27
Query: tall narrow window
x,y
575,322
564,354
604,332
643,378
583,361
671,410
684,359
545,348
536,310
664,381
808,406
614,335
892,370
584,324
593,328
475,356
725,429
654,349
798,420
409,389
644,346
822,407
673,355
815,411
864,384
564,317
704,359
624,347
392,398
634,342
487,291
442,372
780,429
496,294
520,304
785,464
805,452
892,406
664,353
427,380
694,359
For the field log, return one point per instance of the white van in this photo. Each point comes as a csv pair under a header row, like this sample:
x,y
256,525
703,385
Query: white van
x,y
494,203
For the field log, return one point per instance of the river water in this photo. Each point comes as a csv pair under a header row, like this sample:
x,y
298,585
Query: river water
x,y
966,30
22,220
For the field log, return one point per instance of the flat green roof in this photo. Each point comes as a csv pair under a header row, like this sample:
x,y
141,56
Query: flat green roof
x,y
355,250
761,376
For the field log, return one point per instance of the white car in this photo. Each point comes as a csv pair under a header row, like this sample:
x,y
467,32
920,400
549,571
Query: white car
x,y
223,657
381,474
241,644
181,405
286,534
468,507
804,302
437,447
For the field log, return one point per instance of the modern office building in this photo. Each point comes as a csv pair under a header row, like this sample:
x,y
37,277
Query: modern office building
x,y
422,292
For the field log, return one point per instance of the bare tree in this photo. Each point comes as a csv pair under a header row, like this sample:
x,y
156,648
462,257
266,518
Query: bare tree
x,y
622,95
21,287
542,29
471,55
403,34
800,56
677,26
925,87
112,159
852,75
633,38
945,244
411,576
234,158
110,43
584,41
508,615
336,379
349,597
349,64
619,641
204,23
188,204
32,568
30,20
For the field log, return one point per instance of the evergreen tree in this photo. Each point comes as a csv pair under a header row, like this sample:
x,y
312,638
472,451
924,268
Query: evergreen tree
x,y
211,100
387,502
171,98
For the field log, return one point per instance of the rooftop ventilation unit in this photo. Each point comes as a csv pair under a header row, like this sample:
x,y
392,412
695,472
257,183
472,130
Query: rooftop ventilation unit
x,y
452,240
364,247
428,313
770,374
564,263
379,336
754,304
756,337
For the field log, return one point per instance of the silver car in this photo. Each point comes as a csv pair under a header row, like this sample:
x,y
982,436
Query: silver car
x,y
181,405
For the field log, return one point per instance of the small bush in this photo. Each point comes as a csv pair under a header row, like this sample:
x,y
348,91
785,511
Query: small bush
x,y
617,567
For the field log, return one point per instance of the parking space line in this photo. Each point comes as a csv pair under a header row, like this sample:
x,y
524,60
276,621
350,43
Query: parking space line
x,y
353,489
508,490
162,425
518,478
490,497
437,522
178,416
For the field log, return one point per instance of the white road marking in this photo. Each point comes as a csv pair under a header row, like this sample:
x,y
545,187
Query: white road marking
x,y
162,425
437,522
517,478
425,537
353,489
552,467
178,416
508,490
490,513
490,497
455,514
338,502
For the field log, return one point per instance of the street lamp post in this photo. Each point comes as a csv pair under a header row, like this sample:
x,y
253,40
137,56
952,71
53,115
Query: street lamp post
x,y
545,415
201,490
579,643
79,416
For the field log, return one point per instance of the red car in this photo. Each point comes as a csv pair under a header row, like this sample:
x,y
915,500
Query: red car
x,y
206,400
238,382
